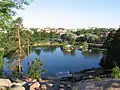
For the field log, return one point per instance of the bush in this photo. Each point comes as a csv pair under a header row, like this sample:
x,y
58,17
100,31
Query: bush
x,y
73,42
36,69
84,46
65,43
116,72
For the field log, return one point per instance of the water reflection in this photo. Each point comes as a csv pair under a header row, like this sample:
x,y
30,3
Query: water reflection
x,y
88,54
37,51
57,60
49,49
69,53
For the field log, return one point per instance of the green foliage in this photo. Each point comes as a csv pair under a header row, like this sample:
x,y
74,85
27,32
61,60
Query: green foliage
x,y
72,41
65,43
15,71
7,11
64,36
98,78
1,39
90,37
10,42
36,69
1,62
68,37
116,72
93,35
84,46
112,57
37,37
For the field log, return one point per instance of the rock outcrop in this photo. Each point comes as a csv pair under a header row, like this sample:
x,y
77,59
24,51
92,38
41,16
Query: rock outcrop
x,y
107,84
35,86
5,82
15,87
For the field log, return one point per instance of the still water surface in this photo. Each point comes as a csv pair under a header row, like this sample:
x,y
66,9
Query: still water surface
x,y
56,60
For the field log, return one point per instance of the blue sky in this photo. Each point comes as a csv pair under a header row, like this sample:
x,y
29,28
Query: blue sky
x,y
72,13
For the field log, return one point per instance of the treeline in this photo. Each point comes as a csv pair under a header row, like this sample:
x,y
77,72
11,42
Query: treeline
x,y
83,35
37,37
93,35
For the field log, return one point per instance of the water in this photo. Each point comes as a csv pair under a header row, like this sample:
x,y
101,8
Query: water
x,y
55,60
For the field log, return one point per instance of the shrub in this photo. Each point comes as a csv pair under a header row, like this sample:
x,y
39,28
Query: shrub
x,y
36,69
116,72
84,46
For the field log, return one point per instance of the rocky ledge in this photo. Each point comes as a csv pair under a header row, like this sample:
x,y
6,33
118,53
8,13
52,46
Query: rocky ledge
x,y
29,84
106,84
7,84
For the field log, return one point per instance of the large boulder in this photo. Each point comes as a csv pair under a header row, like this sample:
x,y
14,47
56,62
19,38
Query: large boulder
x,y
17,84
2,88
44,87
15,87
5,82
35,86
34,80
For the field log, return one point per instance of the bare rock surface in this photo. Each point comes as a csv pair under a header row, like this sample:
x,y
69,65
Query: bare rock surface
x,y
35,86
5,82
2,88
44,87
108,84
14,87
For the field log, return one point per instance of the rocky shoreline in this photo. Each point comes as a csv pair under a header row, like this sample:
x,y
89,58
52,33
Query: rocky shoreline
x,y
106,84
29,84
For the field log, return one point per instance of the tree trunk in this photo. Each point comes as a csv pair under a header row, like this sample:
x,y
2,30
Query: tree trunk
x,y
20,50
28,48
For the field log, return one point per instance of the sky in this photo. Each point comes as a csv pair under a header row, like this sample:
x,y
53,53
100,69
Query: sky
x,y
71,14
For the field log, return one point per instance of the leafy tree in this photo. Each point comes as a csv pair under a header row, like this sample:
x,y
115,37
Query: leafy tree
x,y
93,35
43,36
111,58
11,41
1,39
16,45
64,36
73,42
7,10
80,31
84,46
65,43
